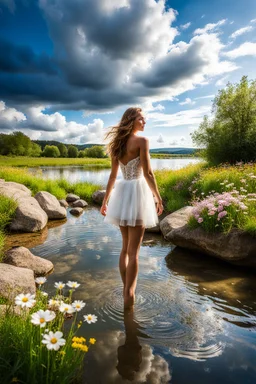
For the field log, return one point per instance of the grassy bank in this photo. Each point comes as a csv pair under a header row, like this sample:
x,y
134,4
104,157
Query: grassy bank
x,y
7,210
23,161
204,187
58,188
171,155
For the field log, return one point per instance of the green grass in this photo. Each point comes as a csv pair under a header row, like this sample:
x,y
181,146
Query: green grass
x,y
58,188
24,161
7,210
173,185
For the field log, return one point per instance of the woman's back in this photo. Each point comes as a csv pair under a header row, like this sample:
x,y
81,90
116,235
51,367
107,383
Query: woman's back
x,y
132,149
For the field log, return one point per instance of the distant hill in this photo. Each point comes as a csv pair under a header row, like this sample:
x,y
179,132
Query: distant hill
x,y
43,143
177,151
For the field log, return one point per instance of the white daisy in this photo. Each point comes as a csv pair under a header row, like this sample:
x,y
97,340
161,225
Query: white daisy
x,y
66,308
25,300
54,302
44,293
72,284
90,318
78,305
59,285
40,280
53,340
42,317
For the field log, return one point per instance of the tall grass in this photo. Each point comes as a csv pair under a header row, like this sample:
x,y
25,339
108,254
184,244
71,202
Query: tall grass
x,y
58,188
174,185
23,161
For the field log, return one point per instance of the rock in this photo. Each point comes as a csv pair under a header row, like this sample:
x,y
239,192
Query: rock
x,y
63,203
71,198
29,216
23,258
79,203
50,205
15,280
175,220
14,190
236,247
76,211
156,229
98,196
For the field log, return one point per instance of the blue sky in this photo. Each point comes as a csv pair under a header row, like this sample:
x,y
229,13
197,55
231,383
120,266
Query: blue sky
x,y
69,69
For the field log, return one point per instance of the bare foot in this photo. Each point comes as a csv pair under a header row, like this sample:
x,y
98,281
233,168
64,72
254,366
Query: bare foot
x,y
129,301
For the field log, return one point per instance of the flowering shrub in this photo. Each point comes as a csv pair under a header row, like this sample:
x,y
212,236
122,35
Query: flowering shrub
x,y
37,339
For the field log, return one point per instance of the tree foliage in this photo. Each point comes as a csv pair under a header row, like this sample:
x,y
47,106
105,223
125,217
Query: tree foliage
x,y
51,151
96,151
63,150
72,151
18,144
230,136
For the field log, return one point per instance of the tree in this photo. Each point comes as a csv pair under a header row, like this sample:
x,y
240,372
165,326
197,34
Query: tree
x,y
72,151
230,135
95,151
51,151
63,150
18,144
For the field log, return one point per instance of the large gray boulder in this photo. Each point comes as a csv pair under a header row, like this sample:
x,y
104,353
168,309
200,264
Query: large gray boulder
x,y
23,258
236,247
15,280
71,198
51,205
14,190
29,216
63,203
98,196
175,220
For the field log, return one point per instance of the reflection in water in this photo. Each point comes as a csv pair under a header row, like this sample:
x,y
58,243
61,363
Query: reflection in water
x,y
129,354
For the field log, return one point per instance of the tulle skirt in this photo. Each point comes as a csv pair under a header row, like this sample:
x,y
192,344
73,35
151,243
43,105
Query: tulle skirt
x,y
131,203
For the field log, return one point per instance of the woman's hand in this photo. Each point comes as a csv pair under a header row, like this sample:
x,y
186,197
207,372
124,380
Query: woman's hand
x,y
103,209
159,207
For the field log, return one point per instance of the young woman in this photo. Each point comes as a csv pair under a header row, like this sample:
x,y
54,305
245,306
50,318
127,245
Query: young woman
x,y
130,205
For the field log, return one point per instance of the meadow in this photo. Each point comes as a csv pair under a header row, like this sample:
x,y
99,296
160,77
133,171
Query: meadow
x,y
25,161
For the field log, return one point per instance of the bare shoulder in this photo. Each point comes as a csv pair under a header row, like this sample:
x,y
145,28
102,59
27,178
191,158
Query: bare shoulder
x,y
143,141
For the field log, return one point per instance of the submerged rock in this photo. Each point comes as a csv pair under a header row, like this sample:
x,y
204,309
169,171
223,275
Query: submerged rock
x,y
71,198
76,211
50,205
79,203
15,280
23,258
98,196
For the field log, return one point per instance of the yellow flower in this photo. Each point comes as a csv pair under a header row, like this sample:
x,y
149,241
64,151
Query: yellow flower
x,y
92,340
82,339
62,353
15,380
75,339
75,345
84,348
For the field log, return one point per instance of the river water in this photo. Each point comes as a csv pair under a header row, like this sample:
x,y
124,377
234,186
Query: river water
x,y
194,319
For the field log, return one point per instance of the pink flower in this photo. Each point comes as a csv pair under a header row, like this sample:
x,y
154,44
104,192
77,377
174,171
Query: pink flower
x,y
200,220
220,208
211,213
222,214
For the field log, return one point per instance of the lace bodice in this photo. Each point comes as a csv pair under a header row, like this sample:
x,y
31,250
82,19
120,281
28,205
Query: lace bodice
x,y
132,170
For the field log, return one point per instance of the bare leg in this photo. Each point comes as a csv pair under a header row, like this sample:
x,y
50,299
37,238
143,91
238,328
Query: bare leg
x,y
135,236
123,260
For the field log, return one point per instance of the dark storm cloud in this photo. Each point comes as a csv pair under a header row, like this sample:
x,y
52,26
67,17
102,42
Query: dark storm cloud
x,y
106,54
22,59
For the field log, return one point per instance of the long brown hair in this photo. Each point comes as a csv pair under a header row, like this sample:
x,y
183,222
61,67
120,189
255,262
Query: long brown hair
x,y
119,134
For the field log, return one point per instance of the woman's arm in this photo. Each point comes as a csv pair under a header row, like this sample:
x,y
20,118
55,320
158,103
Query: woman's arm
x,y
148,173
110,185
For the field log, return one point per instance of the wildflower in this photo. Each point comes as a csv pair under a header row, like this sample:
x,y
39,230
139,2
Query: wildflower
x,y
54,302
79,324
222,214
79,339
42,317
72,284
40,280
59,285
78,305
211,213
62,353
53,340
84,348
66,308
90,318
44,293
200,220
92,341
25,300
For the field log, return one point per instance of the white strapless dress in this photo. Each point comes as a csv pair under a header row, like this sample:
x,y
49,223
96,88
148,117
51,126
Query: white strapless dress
x,y
131,201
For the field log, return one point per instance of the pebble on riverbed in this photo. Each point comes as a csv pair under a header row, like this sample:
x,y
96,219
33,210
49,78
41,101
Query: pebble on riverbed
x,y
76,211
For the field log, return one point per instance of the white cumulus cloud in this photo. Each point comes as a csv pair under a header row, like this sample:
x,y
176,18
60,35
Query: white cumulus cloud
x,y
245,49
10,117
160,139
210,27
187,101
185,26
241,31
